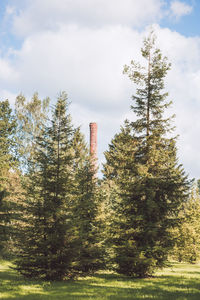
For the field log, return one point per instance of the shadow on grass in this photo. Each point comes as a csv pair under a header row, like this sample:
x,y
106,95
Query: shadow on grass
x,y
101,286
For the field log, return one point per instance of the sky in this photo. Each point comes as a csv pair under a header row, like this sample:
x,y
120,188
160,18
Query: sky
x,y
81,46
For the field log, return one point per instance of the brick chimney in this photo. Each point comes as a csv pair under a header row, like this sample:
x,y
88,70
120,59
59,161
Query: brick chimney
x,y
93,143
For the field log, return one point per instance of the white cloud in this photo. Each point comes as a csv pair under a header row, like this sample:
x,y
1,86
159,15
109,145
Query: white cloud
x,y
6,70
179,9
88,63
37,15
10,10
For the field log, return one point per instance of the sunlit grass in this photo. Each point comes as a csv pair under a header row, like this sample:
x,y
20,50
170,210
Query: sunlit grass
x,y
179,281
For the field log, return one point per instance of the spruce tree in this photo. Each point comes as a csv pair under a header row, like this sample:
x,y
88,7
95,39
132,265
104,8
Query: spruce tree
x,y
150,185
60,232
89,249
119,173
46,241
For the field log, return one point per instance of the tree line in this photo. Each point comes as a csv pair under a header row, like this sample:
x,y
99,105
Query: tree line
x,y
58,220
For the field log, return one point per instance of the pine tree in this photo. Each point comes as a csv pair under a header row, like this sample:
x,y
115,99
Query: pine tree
x,y
149,182
47,237
7,162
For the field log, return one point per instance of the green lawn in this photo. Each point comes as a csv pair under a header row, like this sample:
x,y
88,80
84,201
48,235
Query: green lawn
x,y
180,281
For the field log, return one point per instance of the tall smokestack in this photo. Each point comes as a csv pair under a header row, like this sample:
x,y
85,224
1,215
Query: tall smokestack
x,y
93,142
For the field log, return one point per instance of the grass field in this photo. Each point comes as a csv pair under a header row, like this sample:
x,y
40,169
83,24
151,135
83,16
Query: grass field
x,y
179,281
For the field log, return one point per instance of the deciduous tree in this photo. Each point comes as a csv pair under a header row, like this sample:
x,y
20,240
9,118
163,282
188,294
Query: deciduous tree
x,y
187,234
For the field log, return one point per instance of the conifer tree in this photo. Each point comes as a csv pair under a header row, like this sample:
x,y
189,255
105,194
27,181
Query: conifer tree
x,y
150,184
7,162
89,250
46,243
60,232
118,171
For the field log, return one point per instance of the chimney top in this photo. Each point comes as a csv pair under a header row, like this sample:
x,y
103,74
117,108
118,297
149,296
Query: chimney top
x,y
93,142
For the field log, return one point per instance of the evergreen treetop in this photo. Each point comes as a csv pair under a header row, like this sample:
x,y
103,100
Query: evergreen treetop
x,y
150,186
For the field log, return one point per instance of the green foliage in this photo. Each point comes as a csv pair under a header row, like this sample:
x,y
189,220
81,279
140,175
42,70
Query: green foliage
x,y
7,136
148,184
198,185
89,249
59,235
187,233
30,116
7,162
47,238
